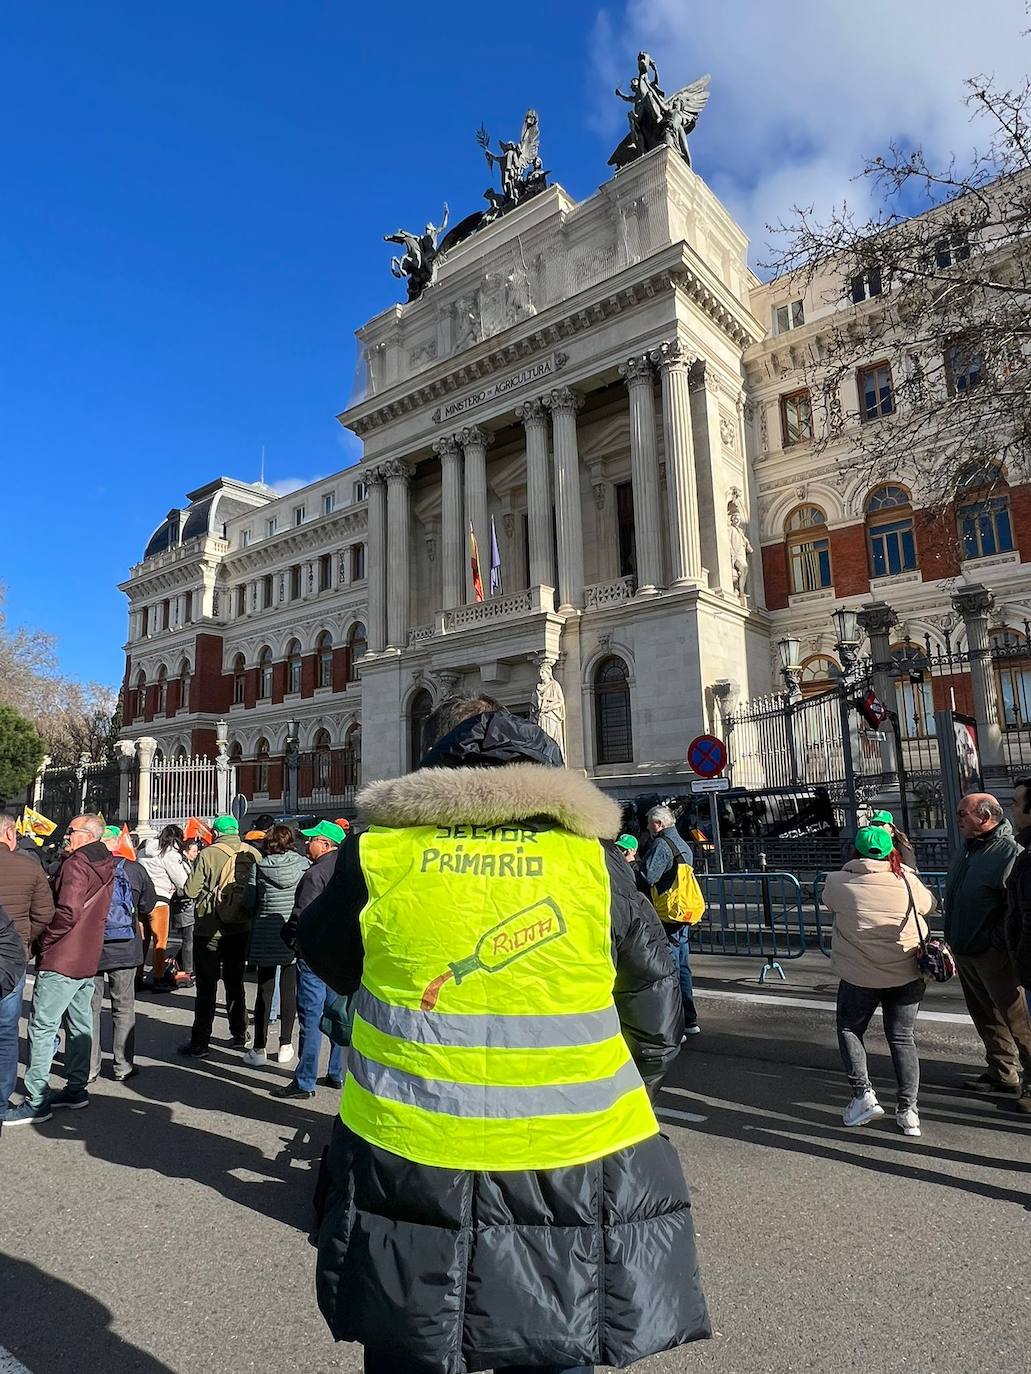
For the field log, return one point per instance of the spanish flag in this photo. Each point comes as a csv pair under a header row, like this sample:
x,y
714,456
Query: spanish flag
x,y
475,561
35,824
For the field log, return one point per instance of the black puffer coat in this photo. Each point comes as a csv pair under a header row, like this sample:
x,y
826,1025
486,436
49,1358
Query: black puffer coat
x,y
460,1270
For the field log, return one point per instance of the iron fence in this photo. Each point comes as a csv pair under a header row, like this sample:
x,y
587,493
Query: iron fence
x,y
328,777
761,915
180,788
76,789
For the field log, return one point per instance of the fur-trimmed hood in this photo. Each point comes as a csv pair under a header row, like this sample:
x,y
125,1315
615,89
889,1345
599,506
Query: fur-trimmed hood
x,y
491,796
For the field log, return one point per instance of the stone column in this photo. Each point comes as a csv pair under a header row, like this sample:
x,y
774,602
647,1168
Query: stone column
x,y
376,560
538,494
684,546
474,441
975,603
145,747
398,475
452,534
125,751
563,405
225,774
713,523
877,619
639,376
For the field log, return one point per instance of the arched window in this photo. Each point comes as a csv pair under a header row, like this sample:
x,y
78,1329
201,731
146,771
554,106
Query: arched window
x,y
889,531
323,758
983,517
184,685
239,679
820,674
419,712
293,666
808,549
141,693
180,754
162,706
236,752
261,767
324,660
357,645
613,736
265,672
913,691
353,757
1011,658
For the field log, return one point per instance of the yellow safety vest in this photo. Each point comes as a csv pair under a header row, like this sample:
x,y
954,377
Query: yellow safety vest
x,y
485,1033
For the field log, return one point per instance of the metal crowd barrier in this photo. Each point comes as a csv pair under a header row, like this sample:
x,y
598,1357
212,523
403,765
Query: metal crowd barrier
x,y
825,921
761,915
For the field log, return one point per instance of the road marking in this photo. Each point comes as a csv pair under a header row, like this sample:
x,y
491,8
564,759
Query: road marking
x,y
951,1018
9,1365
670,1111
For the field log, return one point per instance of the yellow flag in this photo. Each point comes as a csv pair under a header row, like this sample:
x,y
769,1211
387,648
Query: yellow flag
x,y
33,823
19,827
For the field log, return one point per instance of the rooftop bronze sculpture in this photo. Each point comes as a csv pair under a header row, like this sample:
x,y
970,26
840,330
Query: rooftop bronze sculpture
x,y
522,172
657,118
418,264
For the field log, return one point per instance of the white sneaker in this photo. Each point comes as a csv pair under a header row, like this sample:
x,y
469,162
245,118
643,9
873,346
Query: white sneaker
x,y
286,1054
908,1121
862,1109
255,1058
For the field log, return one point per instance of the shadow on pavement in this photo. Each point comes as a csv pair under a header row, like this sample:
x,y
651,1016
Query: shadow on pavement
x,y
53,1327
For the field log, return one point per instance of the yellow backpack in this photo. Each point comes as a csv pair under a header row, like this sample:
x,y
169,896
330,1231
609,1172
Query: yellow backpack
x,y
683,901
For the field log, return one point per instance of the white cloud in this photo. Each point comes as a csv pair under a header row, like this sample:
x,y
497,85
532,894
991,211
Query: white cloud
x,y
803,91
285,485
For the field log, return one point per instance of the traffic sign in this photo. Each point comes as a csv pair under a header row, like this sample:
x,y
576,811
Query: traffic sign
x,y
707,755
710,785
238,807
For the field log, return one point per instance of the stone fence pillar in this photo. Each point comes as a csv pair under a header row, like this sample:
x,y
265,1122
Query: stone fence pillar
x,y
975,603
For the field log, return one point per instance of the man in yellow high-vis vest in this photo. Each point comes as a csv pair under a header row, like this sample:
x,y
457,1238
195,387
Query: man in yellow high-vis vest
x,y
499,1195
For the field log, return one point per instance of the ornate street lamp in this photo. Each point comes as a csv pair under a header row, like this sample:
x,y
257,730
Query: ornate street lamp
x,y
789,649
846,626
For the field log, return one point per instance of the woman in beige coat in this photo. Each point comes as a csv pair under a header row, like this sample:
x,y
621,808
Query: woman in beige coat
x,y
878,907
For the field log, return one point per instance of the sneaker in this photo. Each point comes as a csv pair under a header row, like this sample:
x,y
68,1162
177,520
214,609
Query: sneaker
x,y
193,1051
69,1097
694,1029
291,1091
908,1121
862,1109
330,1082
129,1073
255,1058
988,1083
287,1054
184,980
25,1114
1024,1100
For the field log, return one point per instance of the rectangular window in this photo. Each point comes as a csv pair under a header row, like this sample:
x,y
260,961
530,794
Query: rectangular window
x,y
963,368
267,591
625,532
361,491
165,614
876,396
245,538
145,622
298,515
295,582
949,251
188,608
787,317
325,572
866,285
241,599
892,548
985,528
357,562
796,418
271,525
810,565
329,501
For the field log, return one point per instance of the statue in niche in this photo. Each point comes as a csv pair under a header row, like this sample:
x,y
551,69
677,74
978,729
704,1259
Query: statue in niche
x,y
740,547
418,264
549,705
656,118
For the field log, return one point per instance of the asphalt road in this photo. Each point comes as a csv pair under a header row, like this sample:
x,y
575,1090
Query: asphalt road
x,y
165,1228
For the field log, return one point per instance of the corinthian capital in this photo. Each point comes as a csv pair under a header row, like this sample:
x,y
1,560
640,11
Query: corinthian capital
x,y
672,356
877,618
446,446
563,398
532,413
473,436
375,477
973,602
638,370
396,470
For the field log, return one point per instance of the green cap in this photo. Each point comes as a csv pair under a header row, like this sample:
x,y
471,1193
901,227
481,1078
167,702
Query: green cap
x,y
882,818
111,832
628,843
325,830
225,825
874,842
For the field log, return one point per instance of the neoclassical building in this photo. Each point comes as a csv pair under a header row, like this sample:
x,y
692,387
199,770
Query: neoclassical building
x,y
603,392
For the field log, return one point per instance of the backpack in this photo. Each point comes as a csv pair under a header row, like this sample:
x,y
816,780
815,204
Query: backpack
x,y
120,923
228,902
682,901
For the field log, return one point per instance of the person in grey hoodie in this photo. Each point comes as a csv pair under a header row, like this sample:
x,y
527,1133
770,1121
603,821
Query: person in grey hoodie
x,y
278,874
164,860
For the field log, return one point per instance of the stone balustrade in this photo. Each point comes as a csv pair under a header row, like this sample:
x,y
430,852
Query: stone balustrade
x,y
602,594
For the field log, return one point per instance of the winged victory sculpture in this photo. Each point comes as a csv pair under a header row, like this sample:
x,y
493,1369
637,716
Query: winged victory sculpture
x,y
417,265
656,118
520,166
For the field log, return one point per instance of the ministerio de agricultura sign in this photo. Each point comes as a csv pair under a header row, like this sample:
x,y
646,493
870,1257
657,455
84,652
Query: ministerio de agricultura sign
x,y
538,371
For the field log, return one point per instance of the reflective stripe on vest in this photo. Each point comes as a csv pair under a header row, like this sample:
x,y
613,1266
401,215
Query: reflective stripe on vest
x,y
485,1034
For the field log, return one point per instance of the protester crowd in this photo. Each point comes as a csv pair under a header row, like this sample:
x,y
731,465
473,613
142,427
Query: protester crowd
x,y
378,941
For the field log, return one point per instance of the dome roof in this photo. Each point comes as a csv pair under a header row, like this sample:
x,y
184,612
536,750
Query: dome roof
x,y
209,509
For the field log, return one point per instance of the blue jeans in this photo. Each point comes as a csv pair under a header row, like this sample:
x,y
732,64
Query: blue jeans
x,y
10,1011
313,996
680,944
388,1362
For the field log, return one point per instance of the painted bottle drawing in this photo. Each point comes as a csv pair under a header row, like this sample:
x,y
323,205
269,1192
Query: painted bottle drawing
x,y
510,939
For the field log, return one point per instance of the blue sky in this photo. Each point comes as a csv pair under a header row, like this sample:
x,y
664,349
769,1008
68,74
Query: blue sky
x,y
196,195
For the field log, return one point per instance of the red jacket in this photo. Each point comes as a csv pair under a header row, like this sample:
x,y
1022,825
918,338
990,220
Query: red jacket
x,y
72,942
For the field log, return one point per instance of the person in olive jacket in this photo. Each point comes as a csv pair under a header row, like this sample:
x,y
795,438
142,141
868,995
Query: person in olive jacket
x,y
278,874
975,927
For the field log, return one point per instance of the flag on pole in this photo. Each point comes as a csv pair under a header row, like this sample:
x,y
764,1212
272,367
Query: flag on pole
x,y
495,562
195,829
36,824
475,563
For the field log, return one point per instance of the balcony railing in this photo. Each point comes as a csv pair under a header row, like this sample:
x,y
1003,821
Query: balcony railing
x,y
602,594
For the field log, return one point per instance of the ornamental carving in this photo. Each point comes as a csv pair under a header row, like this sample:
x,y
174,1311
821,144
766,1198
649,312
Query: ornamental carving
x,y
475,437
396,470
446,446
638,370
728,432
532,413
562,398
672,357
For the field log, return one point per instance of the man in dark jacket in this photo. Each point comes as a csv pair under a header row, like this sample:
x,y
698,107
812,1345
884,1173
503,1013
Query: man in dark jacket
x,y
69,951
12,984
1018,907
500,1196
26,897
657,864
120,961
313,996
975,927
